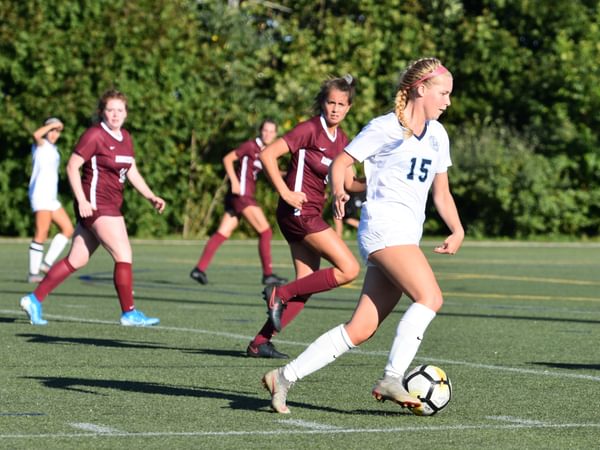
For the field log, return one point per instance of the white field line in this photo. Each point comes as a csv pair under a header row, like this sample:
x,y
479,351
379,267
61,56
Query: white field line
x,y
244,338
100,429
232,433
517,420
306,424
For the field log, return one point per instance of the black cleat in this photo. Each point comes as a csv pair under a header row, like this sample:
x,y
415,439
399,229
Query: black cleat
x,y
275,306
273,279
266,350
199,276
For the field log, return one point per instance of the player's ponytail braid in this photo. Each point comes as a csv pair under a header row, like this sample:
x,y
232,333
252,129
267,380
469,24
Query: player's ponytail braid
x,y
408,81
399,105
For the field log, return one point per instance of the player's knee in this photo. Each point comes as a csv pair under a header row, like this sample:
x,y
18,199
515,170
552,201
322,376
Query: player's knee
x,y
350,271
78,262
68,232
433,302
225,233
266,233
360,334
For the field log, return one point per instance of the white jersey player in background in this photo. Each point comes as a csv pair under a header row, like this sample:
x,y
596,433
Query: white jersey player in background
x,y
43,196
405,153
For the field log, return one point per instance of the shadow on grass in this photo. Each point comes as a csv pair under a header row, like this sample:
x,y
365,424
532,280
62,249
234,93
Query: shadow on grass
x,y
8,319
216,352
571,366
96,342
238,400
118,343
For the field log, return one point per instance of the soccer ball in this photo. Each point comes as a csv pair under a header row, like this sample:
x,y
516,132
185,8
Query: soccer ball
x,y
432,386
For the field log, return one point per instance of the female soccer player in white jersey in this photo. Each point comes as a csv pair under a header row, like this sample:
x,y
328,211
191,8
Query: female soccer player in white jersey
x,y
106,158
404,153
43,196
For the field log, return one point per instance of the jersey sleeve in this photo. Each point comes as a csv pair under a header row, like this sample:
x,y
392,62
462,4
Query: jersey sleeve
x,y
245,149
445,160
300,137
368,142
86,147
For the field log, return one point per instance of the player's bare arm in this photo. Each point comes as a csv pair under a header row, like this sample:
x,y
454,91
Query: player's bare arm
x,y
444,203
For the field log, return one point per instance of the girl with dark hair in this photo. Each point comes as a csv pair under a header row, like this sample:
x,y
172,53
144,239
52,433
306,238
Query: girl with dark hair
x,y
313,144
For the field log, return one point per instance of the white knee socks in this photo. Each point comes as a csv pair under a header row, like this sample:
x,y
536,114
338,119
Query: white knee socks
x,y
408,338
324,350
36,252
56,247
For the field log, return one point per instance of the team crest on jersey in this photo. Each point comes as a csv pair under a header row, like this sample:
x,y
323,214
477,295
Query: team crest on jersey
x,y
433,143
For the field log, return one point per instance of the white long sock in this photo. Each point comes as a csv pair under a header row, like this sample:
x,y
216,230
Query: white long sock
x,y
56,247
36,252
324,350
408,338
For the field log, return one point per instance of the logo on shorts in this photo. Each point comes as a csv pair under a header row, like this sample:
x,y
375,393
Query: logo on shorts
x,y
433,142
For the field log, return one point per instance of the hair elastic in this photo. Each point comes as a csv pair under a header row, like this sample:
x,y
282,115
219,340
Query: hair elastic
x,y
439,70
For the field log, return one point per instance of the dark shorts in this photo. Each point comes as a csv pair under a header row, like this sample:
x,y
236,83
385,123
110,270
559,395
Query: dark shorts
x,y
295,228
89,221
235,204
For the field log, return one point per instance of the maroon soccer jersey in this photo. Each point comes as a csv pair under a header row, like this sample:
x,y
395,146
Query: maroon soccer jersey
x,y
313,150
249,166
107,161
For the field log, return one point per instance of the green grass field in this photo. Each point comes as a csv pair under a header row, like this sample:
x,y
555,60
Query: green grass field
x,y
518,335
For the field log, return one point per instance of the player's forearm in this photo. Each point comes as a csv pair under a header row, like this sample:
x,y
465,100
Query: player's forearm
x,y
140,185
446,208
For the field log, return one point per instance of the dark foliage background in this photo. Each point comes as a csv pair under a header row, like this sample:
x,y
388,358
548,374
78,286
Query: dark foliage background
x,y
201,75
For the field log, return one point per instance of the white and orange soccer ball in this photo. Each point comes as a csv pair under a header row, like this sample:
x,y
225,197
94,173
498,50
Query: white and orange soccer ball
x,y
432,386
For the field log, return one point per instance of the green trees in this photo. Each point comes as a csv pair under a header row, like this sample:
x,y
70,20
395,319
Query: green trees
x,y
201,75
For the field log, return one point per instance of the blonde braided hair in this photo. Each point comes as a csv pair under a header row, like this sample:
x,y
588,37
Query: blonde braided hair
x,y
415,71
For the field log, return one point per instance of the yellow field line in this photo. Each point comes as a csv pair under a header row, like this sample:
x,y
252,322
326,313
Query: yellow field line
x,y
476,276
519,297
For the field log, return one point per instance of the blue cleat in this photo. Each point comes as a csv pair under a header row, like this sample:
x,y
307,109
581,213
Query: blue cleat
x,y
137,318
33,307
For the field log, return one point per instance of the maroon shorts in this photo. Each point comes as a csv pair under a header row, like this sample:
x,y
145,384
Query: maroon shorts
x,y
235,204
295,228
89,221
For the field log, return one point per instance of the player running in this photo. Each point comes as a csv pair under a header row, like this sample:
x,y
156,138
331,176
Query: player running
x,y
313,145
405,153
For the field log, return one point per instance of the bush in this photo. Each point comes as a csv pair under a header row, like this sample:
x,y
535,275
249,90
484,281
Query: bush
x,y
502,187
